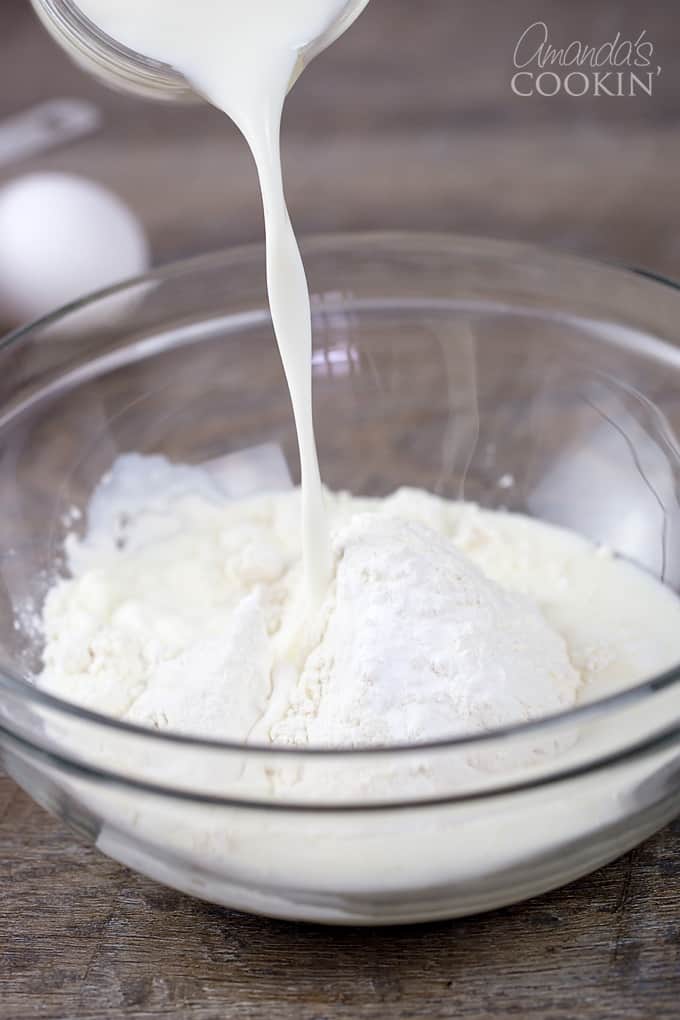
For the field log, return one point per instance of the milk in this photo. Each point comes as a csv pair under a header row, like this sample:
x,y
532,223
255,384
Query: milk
x,y
242,55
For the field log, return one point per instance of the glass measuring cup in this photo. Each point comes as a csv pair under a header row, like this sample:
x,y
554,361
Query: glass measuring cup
x,y
122,68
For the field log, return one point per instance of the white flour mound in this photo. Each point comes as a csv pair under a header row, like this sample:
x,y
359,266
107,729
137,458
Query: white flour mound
x,y
185,611
418,644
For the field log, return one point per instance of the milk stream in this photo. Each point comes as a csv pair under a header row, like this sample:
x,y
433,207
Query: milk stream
x,y
243,55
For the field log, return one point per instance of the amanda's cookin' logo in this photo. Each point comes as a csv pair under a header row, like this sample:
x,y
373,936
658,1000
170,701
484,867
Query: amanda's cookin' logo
x,y
617,67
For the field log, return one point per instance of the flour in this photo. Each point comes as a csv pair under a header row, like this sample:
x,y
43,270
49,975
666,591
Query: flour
x,y
419,644
184,612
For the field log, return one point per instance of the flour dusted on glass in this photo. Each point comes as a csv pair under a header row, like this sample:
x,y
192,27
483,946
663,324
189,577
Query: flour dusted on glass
x,y
184,612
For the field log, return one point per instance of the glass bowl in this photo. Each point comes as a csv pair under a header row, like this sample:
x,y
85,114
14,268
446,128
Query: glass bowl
x,y
505,374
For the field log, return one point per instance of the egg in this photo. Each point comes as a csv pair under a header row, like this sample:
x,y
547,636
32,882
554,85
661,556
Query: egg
x,y
61,237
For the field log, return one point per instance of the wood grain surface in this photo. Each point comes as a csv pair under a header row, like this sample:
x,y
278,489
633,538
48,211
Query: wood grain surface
x,y
408,122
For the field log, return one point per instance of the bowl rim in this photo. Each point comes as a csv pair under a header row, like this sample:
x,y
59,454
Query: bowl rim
x,y
310,244
392,241
79,768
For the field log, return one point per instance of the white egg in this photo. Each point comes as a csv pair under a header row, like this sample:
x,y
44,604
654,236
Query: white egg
x,y
61,237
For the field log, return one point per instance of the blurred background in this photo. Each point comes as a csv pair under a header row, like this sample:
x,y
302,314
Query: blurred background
x,y
409,121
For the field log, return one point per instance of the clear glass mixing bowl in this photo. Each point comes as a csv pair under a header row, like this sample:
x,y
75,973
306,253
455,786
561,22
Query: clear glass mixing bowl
x,y
512,376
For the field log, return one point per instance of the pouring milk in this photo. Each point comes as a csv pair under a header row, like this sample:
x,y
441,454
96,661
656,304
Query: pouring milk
x,y
242,55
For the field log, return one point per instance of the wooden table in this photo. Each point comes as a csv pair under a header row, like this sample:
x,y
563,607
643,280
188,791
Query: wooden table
x,y
408,122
